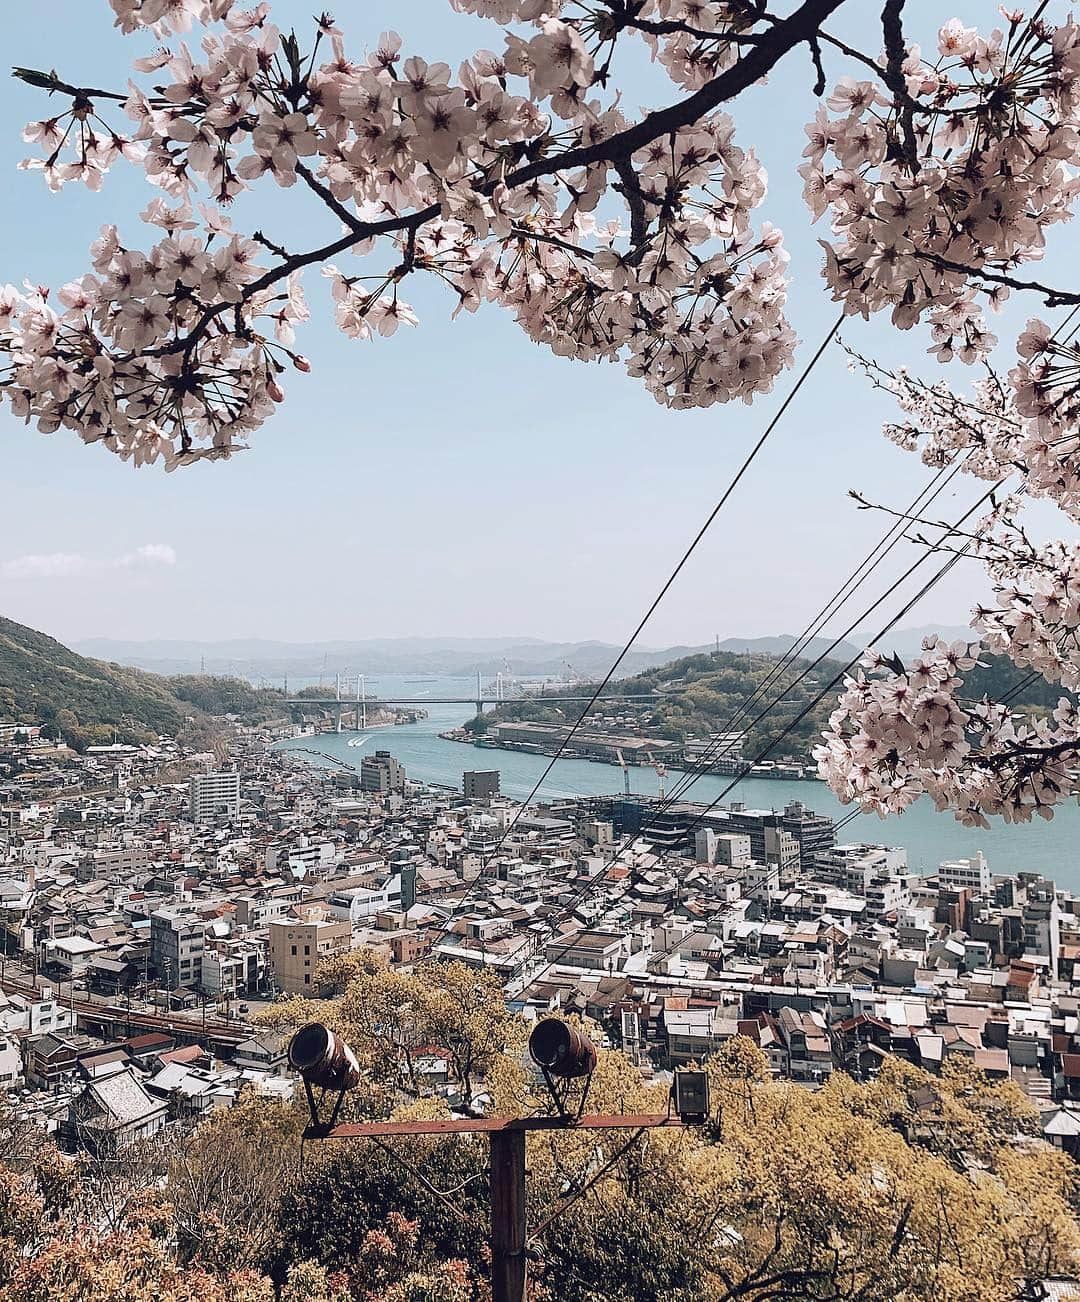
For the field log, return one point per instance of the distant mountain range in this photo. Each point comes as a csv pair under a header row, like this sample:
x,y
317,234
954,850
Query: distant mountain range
x,y
92,699
522,657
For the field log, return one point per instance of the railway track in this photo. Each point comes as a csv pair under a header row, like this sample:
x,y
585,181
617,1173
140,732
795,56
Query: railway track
x,y
209,1029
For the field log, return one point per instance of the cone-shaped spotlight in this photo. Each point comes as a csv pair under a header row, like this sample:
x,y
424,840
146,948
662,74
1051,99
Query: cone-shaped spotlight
x,y
323,1058
561,1049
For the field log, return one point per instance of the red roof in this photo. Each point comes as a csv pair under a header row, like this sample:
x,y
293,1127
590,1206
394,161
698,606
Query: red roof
x,y
149,1040
1070,1065
189,1053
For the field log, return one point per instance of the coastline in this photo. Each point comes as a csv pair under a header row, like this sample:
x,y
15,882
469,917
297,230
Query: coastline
x,y
779,772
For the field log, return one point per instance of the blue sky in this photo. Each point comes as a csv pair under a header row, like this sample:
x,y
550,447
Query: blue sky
x,y
455,479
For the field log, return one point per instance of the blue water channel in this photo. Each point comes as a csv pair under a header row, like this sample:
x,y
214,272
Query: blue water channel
x,y
1051,848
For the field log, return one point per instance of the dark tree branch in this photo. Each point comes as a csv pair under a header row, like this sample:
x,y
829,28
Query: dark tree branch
x,y
51,82
326,195
673,27
815,54
631,191
275,249
1053,297
892,27
781,38
1032,757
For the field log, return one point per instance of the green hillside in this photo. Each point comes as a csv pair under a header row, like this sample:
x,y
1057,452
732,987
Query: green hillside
x,y
88,702
702,694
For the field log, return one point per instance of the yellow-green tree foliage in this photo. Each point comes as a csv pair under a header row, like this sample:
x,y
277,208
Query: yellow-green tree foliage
x,y
911,1187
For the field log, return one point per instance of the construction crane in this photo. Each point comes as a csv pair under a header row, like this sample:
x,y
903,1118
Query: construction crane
x,y
625,771
661,771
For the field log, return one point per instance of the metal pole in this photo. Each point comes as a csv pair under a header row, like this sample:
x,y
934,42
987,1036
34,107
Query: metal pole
x,y
508,1216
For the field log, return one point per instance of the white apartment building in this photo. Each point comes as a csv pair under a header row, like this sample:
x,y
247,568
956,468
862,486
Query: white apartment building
x,y
966,874
215,795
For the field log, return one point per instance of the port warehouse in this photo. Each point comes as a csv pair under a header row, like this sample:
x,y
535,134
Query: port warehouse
x,y
587,744
615,748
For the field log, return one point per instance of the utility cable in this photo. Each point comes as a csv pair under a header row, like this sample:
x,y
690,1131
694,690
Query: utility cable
x,y
795,652
560,750
931,582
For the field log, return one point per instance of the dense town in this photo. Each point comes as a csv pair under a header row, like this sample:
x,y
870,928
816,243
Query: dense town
x,y
154,900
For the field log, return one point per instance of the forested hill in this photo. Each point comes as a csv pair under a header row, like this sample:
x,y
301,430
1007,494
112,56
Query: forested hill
x,y
87,701
701,694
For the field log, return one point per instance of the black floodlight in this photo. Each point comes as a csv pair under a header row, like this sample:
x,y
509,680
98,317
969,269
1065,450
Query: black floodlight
x,y
690,1095
323,1059
564,1055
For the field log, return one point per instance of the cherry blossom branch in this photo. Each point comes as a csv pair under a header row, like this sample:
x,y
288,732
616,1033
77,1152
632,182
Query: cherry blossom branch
x,y
1052,297
795,30
1040,754
777,42
674,26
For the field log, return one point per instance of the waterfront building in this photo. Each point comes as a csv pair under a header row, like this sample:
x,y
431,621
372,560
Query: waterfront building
x,y
381,774
966,874
480,785
815,833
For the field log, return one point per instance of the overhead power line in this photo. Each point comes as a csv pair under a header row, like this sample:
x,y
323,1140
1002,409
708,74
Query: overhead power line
x,y
710,519
954,557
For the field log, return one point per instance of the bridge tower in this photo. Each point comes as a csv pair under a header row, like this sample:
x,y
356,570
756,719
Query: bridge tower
x,y
479,694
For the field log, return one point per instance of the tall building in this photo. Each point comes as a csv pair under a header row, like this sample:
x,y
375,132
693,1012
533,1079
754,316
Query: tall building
x,y
176,947
480,785
296,947
215,795
381,773
815,833
1041,921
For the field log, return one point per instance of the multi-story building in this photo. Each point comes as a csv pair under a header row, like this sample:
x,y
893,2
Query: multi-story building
x,y
214,796
382,774
297,946
176,947
815,833
971,874
233,967
770,840
480,785
1041,921
728,849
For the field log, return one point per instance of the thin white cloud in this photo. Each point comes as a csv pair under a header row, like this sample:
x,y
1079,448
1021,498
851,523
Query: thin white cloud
x,y
149,554
68,565
53,565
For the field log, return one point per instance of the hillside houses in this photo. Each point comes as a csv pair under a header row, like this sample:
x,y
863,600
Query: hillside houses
x,y
675,929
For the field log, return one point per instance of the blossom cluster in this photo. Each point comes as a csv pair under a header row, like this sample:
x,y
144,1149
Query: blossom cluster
x,y
1003,432
939,187
428,173
105,361
901,732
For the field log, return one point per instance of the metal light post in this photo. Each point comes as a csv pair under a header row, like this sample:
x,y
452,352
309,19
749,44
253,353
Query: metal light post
x,y
564,1056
